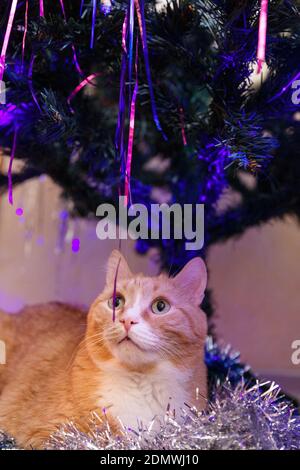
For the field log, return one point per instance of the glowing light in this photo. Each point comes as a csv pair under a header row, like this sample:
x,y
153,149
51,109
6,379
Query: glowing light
x,y
19,211
75,245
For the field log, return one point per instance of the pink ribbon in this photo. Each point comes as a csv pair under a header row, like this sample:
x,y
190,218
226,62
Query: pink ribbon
x,y
130,143
42,12
182,126
80,86
7,36
262,35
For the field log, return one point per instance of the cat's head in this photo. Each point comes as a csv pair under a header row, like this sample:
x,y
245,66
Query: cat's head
x,y
156,318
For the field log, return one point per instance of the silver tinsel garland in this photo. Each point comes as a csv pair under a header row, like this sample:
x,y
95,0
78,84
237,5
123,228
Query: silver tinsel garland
x,y
238,416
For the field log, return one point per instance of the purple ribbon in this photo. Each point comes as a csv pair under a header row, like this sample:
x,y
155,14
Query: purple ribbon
x,y
93,23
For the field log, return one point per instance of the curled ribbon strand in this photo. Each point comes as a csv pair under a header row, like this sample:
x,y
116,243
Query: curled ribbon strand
x,y
82,84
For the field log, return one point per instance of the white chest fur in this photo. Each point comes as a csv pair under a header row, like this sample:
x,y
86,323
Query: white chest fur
x,y
137,398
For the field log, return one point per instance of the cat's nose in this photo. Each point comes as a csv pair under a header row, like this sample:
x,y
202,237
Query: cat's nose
x,y
127,322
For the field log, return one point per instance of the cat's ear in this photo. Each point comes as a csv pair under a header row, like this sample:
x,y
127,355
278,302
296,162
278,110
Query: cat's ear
x,y
193,279
116,261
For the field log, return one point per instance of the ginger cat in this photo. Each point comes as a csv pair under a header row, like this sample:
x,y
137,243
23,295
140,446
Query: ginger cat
x,y
62,363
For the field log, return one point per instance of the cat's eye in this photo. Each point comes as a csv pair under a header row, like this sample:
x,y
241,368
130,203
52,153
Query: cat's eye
x,y
160,306
118,301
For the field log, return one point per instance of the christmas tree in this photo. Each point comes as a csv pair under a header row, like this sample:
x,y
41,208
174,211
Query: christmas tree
x,y
76,72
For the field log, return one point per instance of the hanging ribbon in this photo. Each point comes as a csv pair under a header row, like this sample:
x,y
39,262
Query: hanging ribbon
x,y
119,138
131,29
42,12
127,191
262,35
127,95
81,8
93,23
9,172
30,84
181,114
140,11
75,60
63,9
7,36
87,80
25,33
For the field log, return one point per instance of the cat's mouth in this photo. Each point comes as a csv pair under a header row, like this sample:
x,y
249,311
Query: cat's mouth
x,y
128,340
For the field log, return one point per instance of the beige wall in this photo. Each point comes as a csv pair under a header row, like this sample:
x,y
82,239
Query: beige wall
x,y
256,283
255,279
